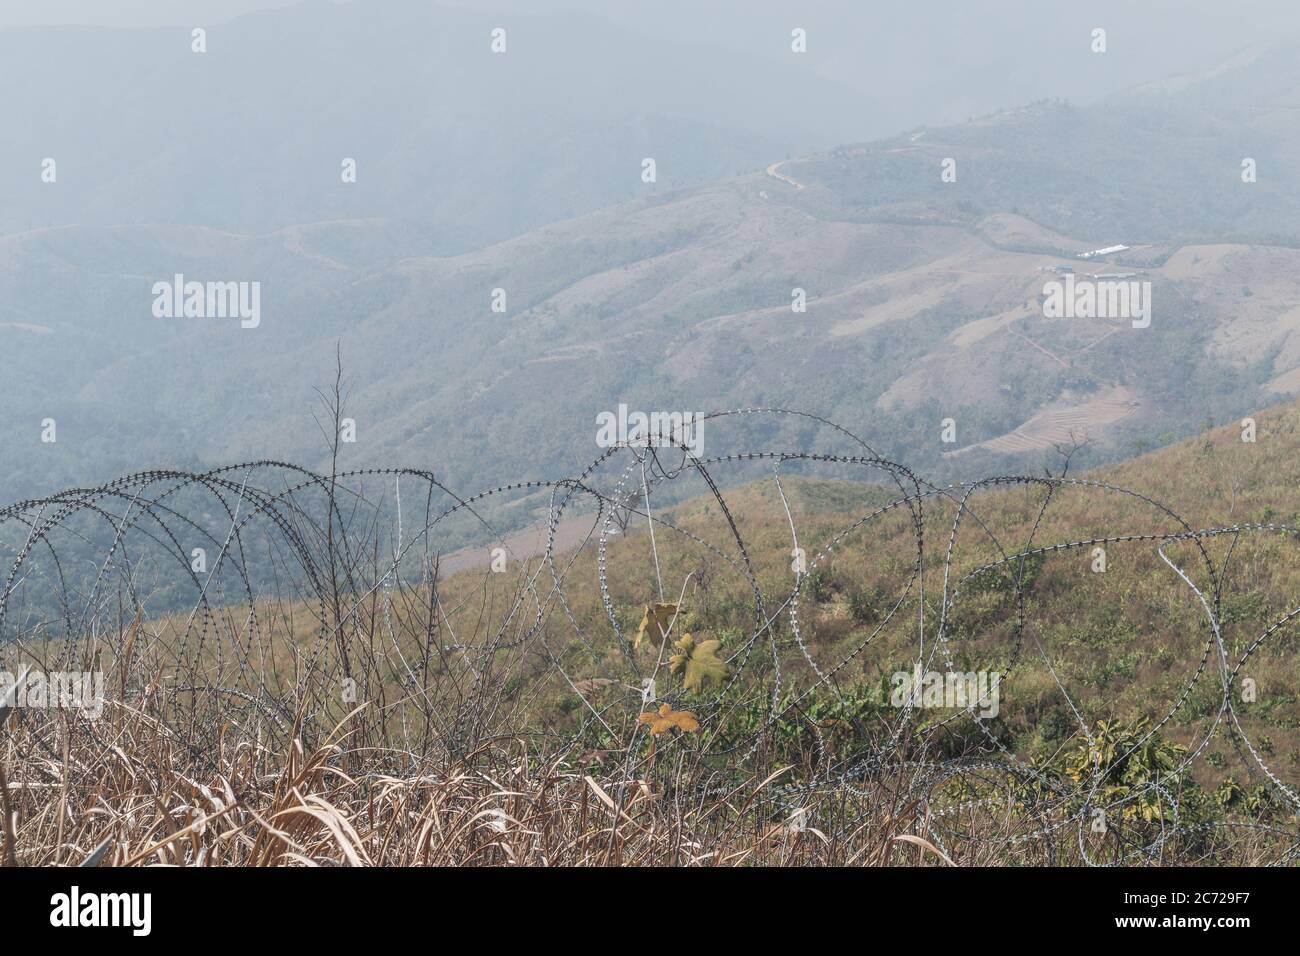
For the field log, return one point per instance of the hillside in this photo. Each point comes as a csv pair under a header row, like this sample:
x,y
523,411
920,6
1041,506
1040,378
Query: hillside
x,y
1128,643
1158,688
923,303
681,303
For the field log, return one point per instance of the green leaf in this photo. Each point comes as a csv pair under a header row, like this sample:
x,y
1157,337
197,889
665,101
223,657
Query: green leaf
x,y
697,663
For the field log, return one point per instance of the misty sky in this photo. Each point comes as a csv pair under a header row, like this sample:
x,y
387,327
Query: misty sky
x,y
980,56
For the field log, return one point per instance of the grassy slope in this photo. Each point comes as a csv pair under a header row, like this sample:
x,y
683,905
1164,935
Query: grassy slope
x,y
1125,643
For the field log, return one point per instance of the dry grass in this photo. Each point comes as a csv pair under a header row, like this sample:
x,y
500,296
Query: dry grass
x,y
126,787
500,717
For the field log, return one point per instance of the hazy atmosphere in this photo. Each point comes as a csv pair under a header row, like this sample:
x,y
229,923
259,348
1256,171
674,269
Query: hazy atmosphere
x,y
229,165
585,433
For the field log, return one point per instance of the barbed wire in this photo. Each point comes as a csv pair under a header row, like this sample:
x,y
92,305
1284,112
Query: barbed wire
x,y
280,599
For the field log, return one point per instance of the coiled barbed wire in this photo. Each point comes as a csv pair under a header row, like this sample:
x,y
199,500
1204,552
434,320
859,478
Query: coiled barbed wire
x,y
464,664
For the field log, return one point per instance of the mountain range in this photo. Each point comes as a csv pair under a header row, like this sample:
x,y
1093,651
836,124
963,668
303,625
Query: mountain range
x,y
923,297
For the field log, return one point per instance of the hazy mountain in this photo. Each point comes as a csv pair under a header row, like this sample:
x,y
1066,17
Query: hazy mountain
x,y
923,303
474,146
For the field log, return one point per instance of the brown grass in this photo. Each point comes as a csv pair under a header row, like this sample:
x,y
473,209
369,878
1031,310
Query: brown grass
x,y
126,783
216,747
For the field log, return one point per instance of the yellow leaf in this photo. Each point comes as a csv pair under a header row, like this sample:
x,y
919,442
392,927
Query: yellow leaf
x,y
683,720
657,619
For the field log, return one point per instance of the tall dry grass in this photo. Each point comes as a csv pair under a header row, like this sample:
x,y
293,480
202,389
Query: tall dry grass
x,y
502,717
124,791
